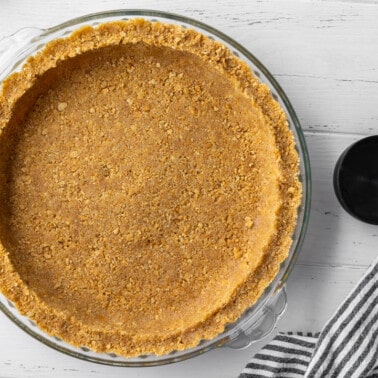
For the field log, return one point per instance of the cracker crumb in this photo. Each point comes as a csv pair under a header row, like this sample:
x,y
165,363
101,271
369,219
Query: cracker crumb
x,y
237,253
62,106
248,222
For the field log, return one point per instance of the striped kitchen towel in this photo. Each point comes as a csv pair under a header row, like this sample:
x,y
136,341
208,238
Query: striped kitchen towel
x,y
347,347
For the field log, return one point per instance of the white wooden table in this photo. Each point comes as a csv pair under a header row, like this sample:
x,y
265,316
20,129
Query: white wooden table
x,y
325,55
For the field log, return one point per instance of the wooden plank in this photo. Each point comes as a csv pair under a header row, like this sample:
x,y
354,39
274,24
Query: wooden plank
x,y
323,53
314,294
334,238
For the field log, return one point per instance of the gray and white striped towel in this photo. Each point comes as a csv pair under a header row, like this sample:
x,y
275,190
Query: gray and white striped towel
x,y
347,347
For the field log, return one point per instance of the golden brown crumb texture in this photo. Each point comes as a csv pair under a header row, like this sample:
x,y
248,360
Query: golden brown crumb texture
x,y
148,188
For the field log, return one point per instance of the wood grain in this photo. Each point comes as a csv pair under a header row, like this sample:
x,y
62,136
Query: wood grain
x,y
325,56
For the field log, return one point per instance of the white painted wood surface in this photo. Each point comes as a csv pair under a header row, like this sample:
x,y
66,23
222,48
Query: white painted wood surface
x,y
325,55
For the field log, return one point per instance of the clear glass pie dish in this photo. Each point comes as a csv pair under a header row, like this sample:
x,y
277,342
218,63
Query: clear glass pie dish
x,y
259,319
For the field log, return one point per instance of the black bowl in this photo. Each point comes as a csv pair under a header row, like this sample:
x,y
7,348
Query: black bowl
x,y
355,180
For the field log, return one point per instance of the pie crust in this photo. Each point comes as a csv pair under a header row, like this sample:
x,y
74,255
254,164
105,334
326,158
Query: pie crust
x,y
148,188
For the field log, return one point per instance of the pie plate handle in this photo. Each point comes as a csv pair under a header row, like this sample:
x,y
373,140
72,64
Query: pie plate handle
x,y
264,324
12,46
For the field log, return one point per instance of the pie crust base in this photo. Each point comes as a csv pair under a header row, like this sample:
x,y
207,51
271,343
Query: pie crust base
x,y
149,188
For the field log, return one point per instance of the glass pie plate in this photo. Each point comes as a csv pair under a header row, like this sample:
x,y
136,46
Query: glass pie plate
x,y
258,320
